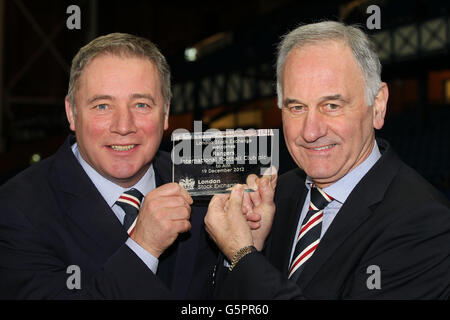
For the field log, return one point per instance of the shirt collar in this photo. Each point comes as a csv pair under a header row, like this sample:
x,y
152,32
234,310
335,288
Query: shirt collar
x,y
109,190
342,188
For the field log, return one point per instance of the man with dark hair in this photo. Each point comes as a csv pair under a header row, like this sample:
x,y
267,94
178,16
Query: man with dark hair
x,y
80,210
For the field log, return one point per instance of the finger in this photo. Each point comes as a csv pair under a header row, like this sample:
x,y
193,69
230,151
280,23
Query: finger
x,y
171,201
274,179
186,195
171,189
251,181
253,217
180,226
247,206
236,198
154,204
168,189
255,197
216,210
254,225
218,202
175,213
266,191
272,172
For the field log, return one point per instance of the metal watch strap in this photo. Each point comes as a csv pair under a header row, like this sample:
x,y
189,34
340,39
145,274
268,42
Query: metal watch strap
x,y
240,254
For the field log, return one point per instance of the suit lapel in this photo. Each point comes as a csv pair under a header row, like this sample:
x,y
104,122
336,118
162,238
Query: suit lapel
x,y
350,216
167,259
85,205
162,166
187,252
87,209
356,209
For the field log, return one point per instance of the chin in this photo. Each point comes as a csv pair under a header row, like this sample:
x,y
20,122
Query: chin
x,y
318,174
123,172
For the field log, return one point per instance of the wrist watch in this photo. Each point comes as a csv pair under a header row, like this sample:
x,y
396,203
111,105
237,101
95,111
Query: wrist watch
x,y
240,254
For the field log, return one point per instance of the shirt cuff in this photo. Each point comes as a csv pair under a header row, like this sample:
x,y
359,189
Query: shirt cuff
x,y
150,261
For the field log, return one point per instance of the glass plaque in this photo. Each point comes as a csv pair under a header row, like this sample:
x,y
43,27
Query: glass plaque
x,y
211,162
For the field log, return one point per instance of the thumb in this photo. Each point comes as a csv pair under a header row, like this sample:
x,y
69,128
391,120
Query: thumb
x,y
235,202
266,190
218,202
216,210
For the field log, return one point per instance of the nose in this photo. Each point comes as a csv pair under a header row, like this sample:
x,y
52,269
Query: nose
x,y
314,126
123,121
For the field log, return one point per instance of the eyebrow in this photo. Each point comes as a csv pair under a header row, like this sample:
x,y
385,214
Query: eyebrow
x,y
289,101
100,97
337,97
133,96
143,96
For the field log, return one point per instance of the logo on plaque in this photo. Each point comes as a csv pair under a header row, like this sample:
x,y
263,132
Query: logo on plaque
x,y
187,183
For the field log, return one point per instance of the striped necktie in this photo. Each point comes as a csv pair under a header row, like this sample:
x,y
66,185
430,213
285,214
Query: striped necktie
x,y
130,202
309,236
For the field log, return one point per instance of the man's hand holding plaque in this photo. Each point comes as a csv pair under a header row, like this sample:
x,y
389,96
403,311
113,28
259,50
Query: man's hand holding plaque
x,y
259,207
241,219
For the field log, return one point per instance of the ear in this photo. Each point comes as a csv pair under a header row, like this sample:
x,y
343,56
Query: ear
x,y
166,117
379,106
69,114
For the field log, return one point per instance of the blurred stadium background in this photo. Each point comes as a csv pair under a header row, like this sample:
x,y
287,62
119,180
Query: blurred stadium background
x,y
222,56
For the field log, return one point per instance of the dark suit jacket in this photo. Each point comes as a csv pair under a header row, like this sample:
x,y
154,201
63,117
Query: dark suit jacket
x,y
393,220
52,216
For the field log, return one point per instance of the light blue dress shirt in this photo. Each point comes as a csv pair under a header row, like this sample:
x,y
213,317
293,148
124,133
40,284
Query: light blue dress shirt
x,y
111,192
339,191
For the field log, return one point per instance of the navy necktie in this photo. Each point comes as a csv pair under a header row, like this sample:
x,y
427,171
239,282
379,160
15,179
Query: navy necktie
x,y
130,202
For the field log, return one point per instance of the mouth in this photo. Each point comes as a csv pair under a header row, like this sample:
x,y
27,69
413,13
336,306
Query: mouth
x,y
122,147
323,147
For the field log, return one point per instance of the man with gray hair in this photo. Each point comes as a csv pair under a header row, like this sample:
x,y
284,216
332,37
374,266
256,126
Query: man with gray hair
x,y
353,221
100,218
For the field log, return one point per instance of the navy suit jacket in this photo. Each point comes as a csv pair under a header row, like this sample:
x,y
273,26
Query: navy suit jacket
x,y
52,216
394,226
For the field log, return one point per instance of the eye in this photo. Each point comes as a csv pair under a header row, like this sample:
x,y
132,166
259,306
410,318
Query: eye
x,y
102,106
332,107
296,109
141,105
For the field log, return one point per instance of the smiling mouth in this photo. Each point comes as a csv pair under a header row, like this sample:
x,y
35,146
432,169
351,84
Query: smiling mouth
x,y
122,147
324,147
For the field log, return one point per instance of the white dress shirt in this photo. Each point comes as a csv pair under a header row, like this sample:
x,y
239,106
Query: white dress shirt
x,y
111,192
339,191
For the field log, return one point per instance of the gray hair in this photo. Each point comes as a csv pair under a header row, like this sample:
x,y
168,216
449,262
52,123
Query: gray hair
x,y
362,48
122,45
